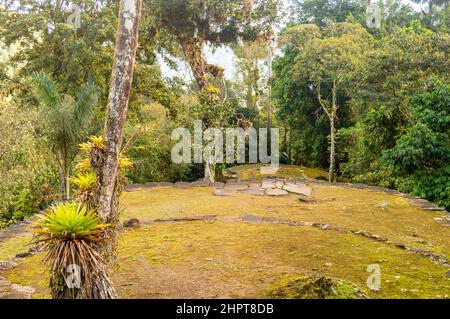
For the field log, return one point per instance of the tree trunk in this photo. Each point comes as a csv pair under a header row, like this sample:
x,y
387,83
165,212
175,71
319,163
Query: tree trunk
x,y
332,150
332,117
122,76
109,183
194,52
62,182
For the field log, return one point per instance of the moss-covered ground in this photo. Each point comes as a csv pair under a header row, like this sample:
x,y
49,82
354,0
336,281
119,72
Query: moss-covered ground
x,y
229,258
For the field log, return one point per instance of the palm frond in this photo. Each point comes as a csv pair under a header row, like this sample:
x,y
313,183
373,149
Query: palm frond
x,y
46,90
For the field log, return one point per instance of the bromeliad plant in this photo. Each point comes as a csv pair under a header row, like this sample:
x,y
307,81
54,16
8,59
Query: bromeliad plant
x,y
70,233
84,184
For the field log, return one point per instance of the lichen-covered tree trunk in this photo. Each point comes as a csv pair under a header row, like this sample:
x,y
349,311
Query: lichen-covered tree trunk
x,y
109,186
194,52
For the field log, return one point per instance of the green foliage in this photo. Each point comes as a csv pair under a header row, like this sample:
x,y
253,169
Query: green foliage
x,y
27,173
70,233
421,156
69,221
319,11
319,287
84,182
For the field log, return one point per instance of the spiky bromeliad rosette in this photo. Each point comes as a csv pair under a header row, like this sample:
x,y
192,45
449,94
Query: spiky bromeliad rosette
x,y
70,233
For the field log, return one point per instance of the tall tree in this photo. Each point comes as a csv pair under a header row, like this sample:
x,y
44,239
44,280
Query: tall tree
x,y
191,25
105,158
328,58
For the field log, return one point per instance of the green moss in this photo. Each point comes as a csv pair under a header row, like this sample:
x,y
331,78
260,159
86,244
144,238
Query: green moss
x,y
13,246
236,259
318,287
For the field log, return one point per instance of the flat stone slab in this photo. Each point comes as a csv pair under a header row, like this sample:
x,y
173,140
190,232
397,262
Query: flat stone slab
x,y
230,219
254,185
164,184
268,183
235,186
217,184
7,265
299,189
182,185
272,220
279,183
200,184
150,184
224,192
254,191
132,187
305,199
252,219
276,192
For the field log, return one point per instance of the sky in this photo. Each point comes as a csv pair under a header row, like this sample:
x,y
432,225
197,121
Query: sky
x,y
223,57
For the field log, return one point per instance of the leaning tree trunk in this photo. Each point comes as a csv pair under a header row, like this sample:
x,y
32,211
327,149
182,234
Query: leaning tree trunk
x,y
110,181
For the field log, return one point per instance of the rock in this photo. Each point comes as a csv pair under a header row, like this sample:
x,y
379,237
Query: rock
x,y
131,222
268,183
275,192
224,192
400,245
132,187
447,273
229,219
200,184
298,189
254,191
252,219
279,183
165,184
268,219
4,283
360,186
151,184
235,186
328,264
305,199
7,265
254,185
24,254
17,292
182,185
217,184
